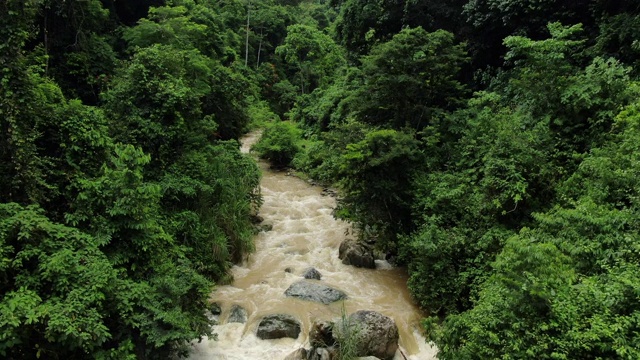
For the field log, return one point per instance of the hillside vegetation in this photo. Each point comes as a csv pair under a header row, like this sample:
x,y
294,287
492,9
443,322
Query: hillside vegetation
x,y
490,146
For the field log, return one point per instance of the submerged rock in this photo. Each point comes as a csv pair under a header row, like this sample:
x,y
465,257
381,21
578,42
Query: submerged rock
x,y
215,309
237,315
278,326
357,254
313,291
213,313
312,273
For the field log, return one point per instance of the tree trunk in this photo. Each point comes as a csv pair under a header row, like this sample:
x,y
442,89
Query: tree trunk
x,y
246,45
259,50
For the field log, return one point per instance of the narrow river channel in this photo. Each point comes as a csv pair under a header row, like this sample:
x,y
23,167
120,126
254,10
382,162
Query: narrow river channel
x,y
304,235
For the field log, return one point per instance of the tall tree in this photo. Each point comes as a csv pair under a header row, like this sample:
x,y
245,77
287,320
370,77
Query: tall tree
x,y
411,80
312,53
21,118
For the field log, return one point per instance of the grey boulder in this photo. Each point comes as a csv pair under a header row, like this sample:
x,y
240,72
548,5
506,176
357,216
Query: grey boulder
x,y
313,291
278,326
373,333
237,315
312,274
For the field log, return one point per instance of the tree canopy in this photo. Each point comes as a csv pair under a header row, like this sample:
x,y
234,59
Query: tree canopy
x,y
490,146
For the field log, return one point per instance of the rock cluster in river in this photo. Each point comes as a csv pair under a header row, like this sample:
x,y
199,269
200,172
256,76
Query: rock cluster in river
x,y
374,335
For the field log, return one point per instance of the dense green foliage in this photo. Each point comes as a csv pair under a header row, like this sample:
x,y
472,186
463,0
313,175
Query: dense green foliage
x,y
491,147
279,143
120,209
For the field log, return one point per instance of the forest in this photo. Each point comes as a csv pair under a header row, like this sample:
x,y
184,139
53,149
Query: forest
x,y
491,147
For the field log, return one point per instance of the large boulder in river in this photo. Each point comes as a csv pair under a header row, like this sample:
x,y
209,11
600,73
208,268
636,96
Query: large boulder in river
x,y
278,326
237,315
314,291
373,333
352,252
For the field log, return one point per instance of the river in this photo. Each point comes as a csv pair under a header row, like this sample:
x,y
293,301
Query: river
x,y
304,234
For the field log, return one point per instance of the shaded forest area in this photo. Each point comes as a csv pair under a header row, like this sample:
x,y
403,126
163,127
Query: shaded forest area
x,y
490,146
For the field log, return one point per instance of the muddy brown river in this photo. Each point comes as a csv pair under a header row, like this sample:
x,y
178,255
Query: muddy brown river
x,y
304,235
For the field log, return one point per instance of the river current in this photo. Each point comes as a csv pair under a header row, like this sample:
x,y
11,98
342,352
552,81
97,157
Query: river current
x,y
304,235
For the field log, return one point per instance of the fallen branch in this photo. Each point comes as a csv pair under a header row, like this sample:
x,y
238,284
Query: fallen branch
x,y
403,355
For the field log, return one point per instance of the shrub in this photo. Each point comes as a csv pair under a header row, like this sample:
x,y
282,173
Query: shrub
x,y
260,114
279,143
